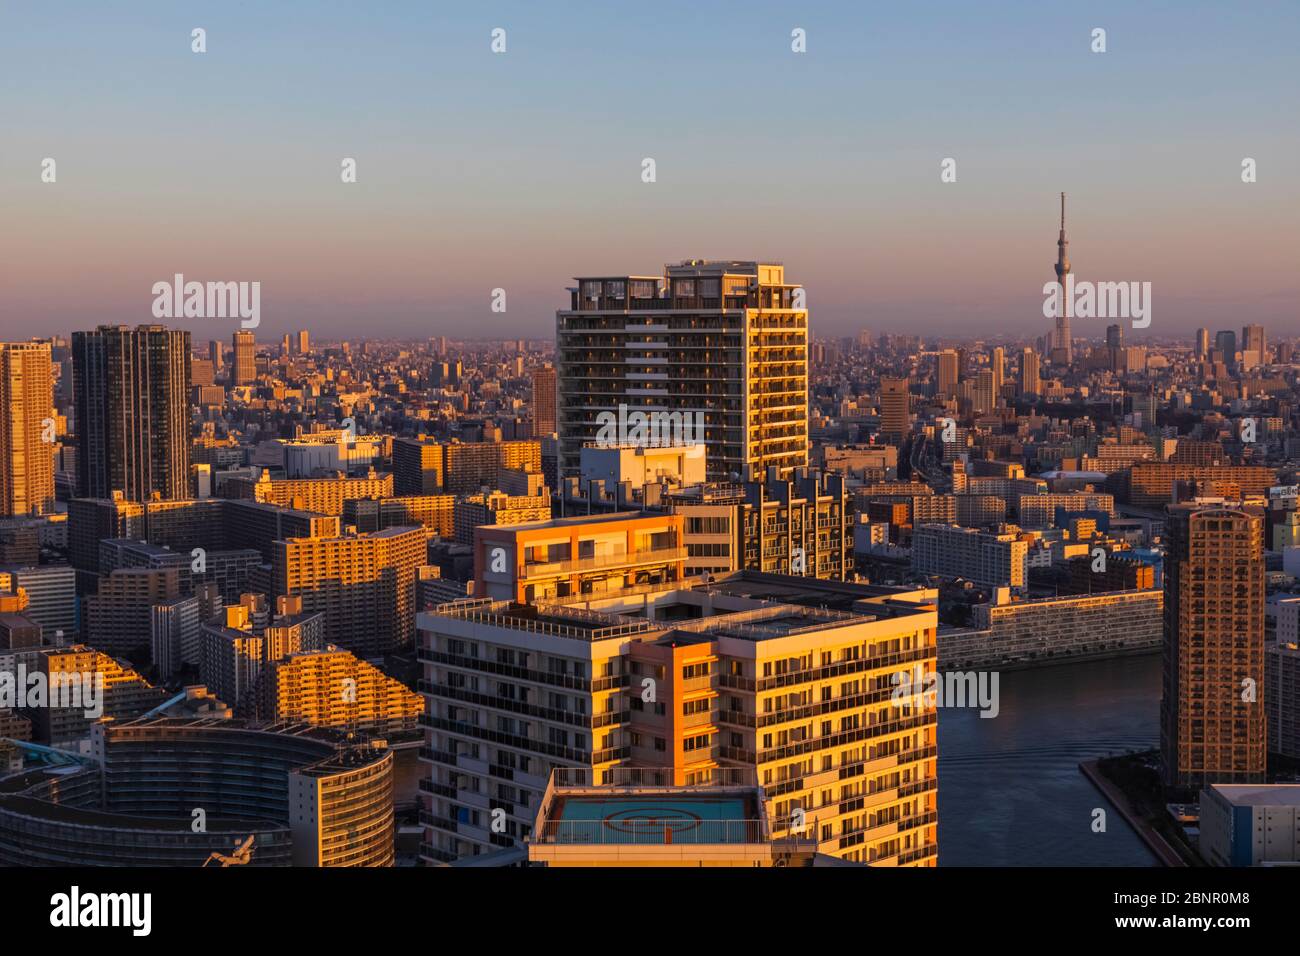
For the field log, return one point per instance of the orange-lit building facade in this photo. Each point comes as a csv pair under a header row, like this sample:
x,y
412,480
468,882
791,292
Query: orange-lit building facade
x,y
26,442
571,557
691,681
1212,717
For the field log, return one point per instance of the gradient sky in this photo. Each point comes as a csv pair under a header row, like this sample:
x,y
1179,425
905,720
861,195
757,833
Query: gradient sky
x,y
522,170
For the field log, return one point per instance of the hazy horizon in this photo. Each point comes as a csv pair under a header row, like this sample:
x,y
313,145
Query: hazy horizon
x,y
521,170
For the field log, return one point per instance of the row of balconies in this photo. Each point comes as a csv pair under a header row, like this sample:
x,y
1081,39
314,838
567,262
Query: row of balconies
x,y
849,736
828,671
595,685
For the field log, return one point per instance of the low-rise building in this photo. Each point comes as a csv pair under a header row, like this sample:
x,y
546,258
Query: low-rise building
x,y
1250,824
991,560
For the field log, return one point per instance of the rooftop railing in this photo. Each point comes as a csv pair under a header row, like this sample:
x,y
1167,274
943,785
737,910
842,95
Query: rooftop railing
x,y
651,831
551,619
615,778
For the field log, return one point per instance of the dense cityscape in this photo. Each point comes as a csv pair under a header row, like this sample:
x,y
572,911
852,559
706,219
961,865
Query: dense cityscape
x,y
685,585
398,479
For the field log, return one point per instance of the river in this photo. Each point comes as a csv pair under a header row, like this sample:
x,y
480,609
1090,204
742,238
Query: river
x,y
1010,790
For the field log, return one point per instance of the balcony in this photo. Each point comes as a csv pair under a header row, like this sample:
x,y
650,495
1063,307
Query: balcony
x,y
603,562
439,789
708,718
829,671
918,853
437,756
868,732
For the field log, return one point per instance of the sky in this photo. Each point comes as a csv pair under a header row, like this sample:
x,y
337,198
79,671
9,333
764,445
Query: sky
x,y
520,170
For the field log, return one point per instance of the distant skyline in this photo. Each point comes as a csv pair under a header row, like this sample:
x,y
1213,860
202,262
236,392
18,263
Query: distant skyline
x,y
521,170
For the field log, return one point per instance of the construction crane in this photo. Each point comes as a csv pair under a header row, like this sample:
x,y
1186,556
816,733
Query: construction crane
x,y
242,855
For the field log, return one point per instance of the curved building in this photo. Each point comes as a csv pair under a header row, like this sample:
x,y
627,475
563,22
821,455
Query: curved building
x,y
171,791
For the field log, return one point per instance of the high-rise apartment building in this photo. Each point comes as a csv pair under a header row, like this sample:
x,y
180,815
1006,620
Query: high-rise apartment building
x,y
422,466
231,655
132,399
1120,573
1212,726
1030,381
544,416
550,560
1282,691
1152,484
718,344
123,693
497,507
689,683
991,560
304,342
241,641
364,584
51,591
1202,344
417,466
947,374
469,467
245,364
331,687
1039,511
1225,342
895,409
1253,346
998,364
292,630
435,513
26,440
983,392
1016,633
174,634
319,495
801,526
119,618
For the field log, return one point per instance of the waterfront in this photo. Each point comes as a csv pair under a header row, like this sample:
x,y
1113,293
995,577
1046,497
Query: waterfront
x,y
1010,790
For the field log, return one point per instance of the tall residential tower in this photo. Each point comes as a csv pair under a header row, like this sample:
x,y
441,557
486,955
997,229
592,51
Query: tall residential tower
x,y
245,367
722,344
1212,710
132,398
26,446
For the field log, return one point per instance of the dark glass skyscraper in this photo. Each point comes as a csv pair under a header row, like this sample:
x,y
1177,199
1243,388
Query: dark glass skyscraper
x,y
132,399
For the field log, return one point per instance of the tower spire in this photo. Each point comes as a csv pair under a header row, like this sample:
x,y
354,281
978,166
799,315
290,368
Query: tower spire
x,y
1062,248
1062,342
